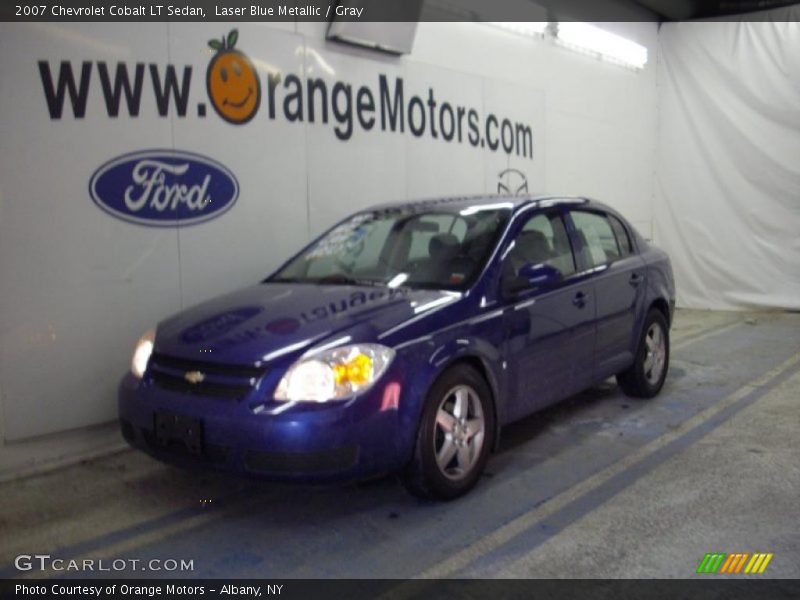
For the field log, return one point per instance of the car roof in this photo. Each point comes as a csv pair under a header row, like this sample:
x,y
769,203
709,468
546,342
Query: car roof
x,y
515,203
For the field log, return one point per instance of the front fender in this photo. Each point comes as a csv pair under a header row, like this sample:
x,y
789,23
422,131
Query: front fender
x,y
438,356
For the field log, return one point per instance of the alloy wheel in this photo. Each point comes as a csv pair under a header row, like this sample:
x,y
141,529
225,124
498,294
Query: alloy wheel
x,y
656,353
459,433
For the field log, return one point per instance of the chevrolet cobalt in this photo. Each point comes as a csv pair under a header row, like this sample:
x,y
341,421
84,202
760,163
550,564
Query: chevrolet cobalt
x,y
402,339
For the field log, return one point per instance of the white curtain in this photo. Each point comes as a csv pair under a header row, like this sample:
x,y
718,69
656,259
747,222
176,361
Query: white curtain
x,y
727,197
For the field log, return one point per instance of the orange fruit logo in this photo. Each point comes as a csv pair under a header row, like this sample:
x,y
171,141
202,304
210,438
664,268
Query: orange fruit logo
x,y
232,81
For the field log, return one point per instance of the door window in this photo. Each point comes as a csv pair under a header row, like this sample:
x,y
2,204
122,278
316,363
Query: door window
x,y
543,240
599,244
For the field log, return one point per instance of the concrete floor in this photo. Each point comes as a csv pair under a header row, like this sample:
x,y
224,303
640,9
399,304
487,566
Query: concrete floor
x,y
598,486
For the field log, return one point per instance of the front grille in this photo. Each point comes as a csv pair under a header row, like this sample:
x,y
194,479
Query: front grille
x,y
205,388
212,453
324,461
230,382
188,364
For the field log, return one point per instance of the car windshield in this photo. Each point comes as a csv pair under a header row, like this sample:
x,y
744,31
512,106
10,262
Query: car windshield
x,y
431,248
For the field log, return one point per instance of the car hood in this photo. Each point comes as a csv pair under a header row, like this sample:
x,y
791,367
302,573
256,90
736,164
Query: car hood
x,y
271,320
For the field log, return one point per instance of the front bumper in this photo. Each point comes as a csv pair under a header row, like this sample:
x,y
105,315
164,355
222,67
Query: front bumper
x,y
366,436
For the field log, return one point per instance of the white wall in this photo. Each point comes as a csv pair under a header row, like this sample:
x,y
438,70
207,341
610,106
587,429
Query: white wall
x,y
600,118
728,173
79,286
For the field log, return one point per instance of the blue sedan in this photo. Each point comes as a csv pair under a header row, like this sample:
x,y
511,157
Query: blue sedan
x,y
402,339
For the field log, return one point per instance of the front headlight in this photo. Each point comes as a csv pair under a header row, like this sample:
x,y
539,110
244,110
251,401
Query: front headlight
x,y
142,352
334,374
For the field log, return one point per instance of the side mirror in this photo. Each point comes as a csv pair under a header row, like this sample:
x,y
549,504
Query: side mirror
x,y
533,276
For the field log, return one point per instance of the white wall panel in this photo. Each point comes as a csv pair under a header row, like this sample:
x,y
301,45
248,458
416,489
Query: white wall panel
x,y
600,119
268,158
728,179
519,105
77,286
370,167
437,167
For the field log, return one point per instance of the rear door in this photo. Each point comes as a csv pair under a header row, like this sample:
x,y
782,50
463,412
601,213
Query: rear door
x,y
618,273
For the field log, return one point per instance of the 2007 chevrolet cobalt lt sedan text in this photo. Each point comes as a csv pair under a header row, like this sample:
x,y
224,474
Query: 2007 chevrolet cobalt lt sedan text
x,y
402,339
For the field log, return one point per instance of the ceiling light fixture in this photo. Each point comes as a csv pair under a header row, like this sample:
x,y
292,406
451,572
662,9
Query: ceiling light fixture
x,y
531,29
604,44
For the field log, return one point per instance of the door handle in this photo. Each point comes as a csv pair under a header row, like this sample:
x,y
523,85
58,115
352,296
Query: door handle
x,y
580,299
636,279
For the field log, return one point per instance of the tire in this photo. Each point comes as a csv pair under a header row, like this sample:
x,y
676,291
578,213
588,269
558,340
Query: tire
x,y
645,377
466,439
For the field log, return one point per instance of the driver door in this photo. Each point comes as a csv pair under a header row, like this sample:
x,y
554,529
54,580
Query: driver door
x,y
549,330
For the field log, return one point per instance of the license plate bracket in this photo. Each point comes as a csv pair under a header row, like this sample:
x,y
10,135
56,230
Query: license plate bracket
x,y
181,431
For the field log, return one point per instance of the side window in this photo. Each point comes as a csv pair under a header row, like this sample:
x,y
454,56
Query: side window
x,y
543,240
623,240
599,242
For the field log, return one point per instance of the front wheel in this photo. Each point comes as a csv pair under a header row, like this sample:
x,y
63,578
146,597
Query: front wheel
x,y
646,375
455,436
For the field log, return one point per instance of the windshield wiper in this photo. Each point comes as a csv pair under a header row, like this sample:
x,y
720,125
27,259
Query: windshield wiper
x,y
342,279
334,279
286,280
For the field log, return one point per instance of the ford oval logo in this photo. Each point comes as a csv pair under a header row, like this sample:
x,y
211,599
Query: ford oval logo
x,y
164,188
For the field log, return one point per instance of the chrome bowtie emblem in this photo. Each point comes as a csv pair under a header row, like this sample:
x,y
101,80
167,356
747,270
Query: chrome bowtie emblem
x,y
194,377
